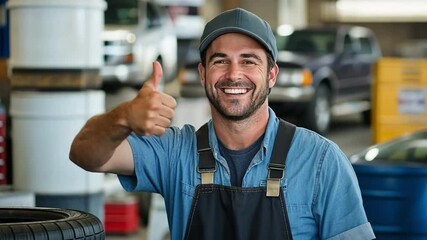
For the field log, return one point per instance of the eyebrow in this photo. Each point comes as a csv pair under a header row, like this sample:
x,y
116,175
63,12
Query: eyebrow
x,y
217,55
251,55
243,55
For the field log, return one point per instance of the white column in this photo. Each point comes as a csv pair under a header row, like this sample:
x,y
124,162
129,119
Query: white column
x,y
293,12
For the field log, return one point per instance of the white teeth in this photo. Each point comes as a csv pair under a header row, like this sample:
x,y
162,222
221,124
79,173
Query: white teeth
x,y
235,90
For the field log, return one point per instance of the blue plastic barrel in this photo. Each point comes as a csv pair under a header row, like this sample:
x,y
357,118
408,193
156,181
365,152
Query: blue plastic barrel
x,y
4,30
395,199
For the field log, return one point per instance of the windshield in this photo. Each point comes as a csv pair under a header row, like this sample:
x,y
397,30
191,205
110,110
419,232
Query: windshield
x,y
121,12
412,148
308,41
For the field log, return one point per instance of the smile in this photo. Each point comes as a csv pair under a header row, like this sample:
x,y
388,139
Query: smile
x,y
235,90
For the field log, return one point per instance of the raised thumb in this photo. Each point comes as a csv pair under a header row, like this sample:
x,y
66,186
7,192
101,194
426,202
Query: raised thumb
x,y
156,76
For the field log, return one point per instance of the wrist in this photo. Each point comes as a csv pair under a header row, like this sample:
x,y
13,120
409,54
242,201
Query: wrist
x,y
120,118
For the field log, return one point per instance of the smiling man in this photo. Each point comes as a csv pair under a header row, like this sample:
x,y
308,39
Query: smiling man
x,y
236,77
245,174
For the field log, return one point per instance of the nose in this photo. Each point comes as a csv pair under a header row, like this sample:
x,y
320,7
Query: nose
x,y
234,71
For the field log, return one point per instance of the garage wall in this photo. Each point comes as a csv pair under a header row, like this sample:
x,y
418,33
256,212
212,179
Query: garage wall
x,y
391,35
268,11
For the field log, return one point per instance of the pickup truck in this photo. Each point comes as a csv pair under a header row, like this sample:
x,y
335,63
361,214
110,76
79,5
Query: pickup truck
x,y
325,72
136,33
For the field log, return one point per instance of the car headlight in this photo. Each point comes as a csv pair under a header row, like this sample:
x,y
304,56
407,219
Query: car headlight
x,y
130,38
295,77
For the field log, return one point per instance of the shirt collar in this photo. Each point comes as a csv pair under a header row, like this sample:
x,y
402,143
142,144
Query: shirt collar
x,y
267,144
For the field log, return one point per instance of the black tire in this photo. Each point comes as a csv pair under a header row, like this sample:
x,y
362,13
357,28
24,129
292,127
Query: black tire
x,y
48,223
318,115
367,117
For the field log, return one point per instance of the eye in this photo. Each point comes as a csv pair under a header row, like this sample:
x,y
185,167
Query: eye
x,y
220,61
248,62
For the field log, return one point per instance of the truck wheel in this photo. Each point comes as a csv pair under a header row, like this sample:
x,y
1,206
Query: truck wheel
x,y
367,118
48,223
318,115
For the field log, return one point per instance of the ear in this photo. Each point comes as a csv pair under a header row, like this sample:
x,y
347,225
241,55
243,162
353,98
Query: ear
x,y
272,75
202,72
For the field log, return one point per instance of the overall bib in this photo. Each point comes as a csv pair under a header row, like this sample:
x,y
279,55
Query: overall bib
x,y
227,212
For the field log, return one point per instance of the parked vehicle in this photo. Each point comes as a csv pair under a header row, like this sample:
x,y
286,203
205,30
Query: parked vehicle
x,y
393,177
137,32
188,76
325,71
406,150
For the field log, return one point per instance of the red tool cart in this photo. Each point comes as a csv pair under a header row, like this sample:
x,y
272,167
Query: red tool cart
x,y
121,214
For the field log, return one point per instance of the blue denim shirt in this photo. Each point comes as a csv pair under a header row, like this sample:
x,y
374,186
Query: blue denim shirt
x,y
321,191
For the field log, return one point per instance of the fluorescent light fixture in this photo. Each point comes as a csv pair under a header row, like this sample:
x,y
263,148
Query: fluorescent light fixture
x,y
381,10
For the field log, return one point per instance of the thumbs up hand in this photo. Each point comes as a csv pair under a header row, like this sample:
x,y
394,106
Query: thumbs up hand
x,y
151,111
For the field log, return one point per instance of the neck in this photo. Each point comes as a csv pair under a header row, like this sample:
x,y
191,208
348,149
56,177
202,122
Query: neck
x,y
237,135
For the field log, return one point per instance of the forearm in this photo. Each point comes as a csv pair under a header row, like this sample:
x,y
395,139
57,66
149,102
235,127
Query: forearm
x,y
99,138
101,146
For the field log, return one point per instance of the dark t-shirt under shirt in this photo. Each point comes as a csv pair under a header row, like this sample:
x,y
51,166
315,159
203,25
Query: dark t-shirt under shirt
x,y
238,160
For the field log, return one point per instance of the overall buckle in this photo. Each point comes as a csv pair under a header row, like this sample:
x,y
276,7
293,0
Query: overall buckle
x,y
208,167
275,174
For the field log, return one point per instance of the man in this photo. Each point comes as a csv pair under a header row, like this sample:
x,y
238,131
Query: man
x,y
229,181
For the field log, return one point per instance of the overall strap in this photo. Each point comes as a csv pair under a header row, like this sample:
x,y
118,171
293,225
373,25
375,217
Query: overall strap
x,y
277,165
206,165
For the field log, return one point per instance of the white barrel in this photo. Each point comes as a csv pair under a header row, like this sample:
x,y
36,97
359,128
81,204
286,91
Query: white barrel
x,y
43,127
56,33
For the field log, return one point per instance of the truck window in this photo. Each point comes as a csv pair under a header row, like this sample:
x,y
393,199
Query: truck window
x,y
121,12
366,46
311,41
348,44
154,18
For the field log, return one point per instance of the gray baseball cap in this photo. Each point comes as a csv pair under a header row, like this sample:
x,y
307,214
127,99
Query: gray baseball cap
x,y
239,20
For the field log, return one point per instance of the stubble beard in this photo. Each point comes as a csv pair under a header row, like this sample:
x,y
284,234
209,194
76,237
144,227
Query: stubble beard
x,y
238,112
